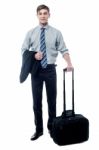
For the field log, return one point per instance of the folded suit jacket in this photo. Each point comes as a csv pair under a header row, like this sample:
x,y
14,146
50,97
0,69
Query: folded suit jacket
x,y
29,65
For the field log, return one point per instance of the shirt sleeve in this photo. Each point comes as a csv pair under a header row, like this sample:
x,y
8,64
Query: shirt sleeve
x,y
26,43
60,44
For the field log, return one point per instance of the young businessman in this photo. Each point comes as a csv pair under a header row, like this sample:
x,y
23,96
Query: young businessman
x,y
46,41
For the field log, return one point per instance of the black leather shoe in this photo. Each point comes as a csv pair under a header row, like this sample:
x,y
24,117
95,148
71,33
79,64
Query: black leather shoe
x,y
36,135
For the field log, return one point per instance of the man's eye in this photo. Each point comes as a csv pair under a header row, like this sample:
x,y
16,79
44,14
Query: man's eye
x,y
45,13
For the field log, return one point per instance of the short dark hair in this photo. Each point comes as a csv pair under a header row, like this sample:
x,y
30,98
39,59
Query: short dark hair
x,y
42,7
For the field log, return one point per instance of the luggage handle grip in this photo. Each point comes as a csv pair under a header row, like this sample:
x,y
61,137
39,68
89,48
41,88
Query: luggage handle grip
x,y
66,70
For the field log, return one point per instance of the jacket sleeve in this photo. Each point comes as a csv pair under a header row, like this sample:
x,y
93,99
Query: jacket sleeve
x,y
28,59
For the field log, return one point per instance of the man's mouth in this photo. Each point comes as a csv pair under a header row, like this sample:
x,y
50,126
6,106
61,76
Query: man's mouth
x,y
42,19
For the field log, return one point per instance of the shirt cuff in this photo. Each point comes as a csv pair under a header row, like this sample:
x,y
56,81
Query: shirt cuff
x,y
65,51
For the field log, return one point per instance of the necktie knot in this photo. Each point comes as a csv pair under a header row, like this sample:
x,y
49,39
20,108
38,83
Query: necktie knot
x,y
42,29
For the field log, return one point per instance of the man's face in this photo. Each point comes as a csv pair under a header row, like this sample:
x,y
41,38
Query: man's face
x,y
43,16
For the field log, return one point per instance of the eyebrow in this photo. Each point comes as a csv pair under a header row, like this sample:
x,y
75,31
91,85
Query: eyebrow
x,y
42,13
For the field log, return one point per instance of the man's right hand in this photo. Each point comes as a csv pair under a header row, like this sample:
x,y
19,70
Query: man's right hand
x,y
38,56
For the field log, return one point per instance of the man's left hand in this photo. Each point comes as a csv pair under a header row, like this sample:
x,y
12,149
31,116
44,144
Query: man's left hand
x,y
70,68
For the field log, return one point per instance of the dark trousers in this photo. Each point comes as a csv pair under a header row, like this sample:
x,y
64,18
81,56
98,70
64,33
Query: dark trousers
x,y
48,76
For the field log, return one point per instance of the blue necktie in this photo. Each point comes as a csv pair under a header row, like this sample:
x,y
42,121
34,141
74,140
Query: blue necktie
x,y
43,48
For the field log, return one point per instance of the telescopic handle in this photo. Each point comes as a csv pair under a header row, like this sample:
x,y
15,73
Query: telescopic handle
x,y
64,91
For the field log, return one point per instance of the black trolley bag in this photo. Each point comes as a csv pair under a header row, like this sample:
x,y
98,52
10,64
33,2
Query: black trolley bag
x,y
70,128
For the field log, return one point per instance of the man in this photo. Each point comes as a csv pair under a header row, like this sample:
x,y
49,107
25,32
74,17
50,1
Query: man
x,y
46,41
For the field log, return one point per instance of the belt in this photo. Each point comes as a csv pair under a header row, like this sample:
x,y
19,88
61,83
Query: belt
x,y
48,66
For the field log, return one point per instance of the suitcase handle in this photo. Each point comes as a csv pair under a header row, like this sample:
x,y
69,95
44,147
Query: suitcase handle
x,y
64,91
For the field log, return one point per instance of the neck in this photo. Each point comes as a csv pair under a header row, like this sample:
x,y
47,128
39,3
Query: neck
x,y
43,24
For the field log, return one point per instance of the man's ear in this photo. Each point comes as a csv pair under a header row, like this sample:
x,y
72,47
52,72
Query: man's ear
x,y
36,14
49,15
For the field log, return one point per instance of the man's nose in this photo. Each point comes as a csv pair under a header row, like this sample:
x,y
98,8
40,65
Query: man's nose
x,y
42,16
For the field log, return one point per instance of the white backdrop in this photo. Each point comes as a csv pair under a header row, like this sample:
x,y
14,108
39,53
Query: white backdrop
x,y
78,21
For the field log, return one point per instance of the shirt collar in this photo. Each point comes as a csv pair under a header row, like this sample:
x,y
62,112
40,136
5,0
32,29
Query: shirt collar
x,y
46,26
